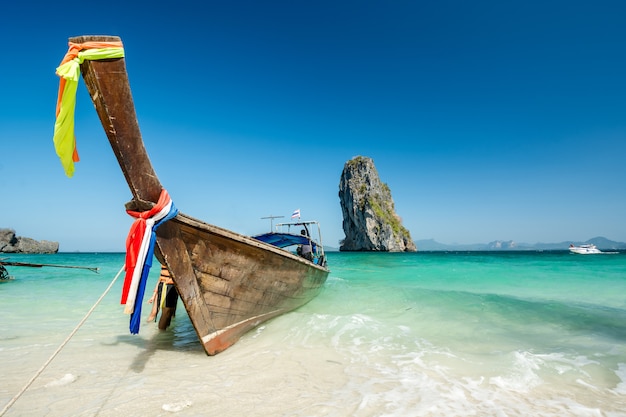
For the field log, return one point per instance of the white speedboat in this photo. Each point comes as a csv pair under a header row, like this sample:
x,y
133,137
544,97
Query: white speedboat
x,y
587,249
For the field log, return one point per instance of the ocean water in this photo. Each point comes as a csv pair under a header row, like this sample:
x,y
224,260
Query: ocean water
x,y
422,334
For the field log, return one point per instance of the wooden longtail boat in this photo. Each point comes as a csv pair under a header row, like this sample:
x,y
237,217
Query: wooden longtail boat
x,y
229,283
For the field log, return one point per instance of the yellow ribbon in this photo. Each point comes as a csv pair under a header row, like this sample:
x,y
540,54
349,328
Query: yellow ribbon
x,y
64,141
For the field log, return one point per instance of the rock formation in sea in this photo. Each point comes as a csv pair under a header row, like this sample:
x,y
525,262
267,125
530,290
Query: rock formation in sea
x,y
370,222
10,243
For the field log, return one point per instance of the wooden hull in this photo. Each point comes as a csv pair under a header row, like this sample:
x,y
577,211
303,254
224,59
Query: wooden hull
x,y
229,283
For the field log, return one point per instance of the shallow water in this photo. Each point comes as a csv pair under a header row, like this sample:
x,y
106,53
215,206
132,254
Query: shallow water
x,y
425,334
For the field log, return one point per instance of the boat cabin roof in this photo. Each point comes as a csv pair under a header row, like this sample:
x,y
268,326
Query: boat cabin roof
x,y
283,240
282,237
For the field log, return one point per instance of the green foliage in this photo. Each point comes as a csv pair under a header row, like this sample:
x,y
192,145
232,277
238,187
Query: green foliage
x,y
354,162
361,195
386,214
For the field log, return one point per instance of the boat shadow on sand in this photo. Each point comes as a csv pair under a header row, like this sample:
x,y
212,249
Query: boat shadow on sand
x,y
180,337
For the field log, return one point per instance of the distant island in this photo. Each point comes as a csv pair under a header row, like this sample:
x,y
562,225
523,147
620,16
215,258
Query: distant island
x,y
11,243
430,245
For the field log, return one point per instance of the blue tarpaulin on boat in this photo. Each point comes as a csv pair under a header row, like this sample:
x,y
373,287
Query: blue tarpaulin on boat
x,y
282,240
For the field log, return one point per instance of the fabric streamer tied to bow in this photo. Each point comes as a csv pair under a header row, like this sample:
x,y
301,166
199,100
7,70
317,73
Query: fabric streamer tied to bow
x,y
69,71
139,253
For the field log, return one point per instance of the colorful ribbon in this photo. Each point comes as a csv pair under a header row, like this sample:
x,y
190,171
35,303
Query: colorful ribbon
x,y
139,254
69,71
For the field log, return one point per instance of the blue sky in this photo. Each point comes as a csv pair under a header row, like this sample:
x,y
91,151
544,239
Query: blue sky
x,y
489,120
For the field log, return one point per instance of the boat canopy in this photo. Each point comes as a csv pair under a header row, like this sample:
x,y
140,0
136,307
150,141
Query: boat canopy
x,y
282,237
283,240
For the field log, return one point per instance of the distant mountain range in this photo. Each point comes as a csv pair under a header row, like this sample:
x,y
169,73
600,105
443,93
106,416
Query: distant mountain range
x,y
431,245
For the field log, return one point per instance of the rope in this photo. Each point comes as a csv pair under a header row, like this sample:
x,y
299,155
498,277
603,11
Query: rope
x,y
45,365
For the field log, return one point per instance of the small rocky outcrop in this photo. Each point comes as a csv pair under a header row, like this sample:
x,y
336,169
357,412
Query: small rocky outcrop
x,y
10,243
370,222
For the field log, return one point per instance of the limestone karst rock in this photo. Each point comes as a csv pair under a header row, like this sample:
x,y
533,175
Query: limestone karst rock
x,y
10,243
370,222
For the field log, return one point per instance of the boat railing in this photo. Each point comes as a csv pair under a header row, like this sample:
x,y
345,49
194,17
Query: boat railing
x,y
314,238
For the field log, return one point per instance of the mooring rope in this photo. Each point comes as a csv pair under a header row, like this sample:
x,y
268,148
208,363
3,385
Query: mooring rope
x,y
45,365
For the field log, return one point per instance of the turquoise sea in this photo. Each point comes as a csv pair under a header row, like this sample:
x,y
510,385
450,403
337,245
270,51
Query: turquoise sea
x,y
422,334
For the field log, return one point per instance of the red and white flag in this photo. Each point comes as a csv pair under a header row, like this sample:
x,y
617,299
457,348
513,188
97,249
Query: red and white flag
x,y
295,214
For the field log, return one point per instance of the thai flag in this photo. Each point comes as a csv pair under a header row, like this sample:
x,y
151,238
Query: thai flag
x,y
295,214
